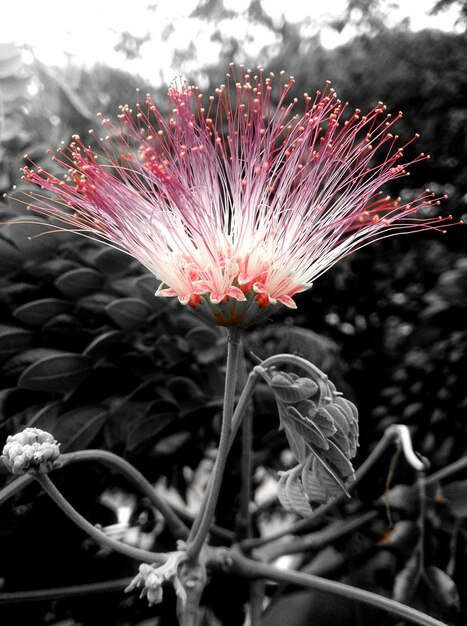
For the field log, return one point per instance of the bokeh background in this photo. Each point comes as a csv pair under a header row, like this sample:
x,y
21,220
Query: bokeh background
x,y
87,352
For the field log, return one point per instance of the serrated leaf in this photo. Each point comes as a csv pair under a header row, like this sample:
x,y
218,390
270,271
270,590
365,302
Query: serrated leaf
x,y
129,313
59,373
76,429
38,312
79,282
13,340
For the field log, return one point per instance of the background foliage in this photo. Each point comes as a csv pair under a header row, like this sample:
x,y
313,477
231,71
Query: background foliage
x,y
87,352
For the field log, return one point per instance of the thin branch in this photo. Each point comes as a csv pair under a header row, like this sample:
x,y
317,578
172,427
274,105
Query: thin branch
x,y
55,593
135,553
254,569
175,524
320,538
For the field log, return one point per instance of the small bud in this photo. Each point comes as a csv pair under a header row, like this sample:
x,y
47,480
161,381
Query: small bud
x,y
33,450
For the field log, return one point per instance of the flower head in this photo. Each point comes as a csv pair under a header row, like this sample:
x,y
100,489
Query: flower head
x,y
32,450
235,204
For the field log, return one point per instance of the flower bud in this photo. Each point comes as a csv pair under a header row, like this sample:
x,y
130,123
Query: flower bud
x,y
33,450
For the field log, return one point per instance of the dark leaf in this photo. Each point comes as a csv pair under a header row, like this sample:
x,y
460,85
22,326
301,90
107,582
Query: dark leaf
x,y
406,580
128,313
112,262
58,373
10,259
103,344
456,495
79,282
38,312
76,429
13,340
445,589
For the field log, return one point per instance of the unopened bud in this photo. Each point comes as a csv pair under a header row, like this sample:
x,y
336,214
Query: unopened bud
x,y
32,450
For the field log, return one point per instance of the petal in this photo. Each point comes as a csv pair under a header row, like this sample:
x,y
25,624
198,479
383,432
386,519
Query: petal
x,y
286,301
235,292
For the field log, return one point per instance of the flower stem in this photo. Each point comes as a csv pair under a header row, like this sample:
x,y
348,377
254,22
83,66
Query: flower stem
x,y
205,517
136,553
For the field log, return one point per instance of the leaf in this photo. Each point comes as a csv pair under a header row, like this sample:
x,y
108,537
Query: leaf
x,y
13,340
296,494
112,262
28,235
103,344
456,495
76,429
59,373
405,582
305,427
445,589
291,494
79,282
171,445
319,481
143,431
129,313
47,417
10,259
290,388
38,312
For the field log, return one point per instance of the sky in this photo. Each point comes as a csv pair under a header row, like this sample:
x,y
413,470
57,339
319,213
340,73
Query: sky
x,y
88,31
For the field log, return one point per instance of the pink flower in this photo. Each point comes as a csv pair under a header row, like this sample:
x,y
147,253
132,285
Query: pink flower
x,y
235,204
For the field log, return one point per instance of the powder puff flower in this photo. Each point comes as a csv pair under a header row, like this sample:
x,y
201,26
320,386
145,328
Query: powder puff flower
x,y
234,203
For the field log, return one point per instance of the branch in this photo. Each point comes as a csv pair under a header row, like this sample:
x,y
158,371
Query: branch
x,y
135,553
253,569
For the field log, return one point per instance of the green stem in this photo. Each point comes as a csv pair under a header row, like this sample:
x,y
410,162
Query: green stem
x,y
206,514
136,553
253,569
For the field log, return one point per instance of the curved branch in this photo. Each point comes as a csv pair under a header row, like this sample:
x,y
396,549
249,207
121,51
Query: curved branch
x,y
175,524
135,553
244,566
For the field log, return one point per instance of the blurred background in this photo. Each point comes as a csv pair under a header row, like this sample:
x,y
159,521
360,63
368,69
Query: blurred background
x,y
87,352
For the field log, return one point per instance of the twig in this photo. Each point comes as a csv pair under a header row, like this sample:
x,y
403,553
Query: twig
x,y
175,524
136,553
320,538
54,593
